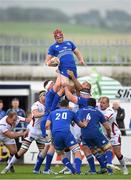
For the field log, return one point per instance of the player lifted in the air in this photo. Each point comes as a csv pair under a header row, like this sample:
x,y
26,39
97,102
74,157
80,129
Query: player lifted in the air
x,y
62,53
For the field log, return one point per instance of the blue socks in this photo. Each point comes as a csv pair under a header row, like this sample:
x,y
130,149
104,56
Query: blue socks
x,y
108,156
91,163
78,163
101,159
39,161
49,158
67,163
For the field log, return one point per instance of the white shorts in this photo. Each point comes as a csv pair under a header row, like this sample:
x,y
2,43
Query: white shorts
x,y
76,131
115,140
39,139
7,140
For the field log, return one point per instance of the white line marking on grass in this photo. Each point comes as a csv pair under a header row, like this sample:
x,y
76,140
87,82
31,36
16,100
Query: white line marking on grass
x,y
62,177
57,177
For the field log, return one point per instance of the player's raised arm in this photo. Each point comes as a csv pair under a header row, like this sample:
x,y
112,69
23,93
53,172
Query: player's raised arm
x,y
78,85
70,96
79,57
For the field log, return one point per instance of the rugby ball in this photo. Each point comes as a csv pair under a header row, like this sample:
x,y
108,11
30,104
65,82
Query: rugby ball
x,y
54,61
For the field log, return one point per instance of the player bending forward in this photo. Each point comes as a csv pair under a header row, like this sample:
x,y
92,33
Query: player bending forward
x,y
115,132
8,136
91,135
59,121
35,134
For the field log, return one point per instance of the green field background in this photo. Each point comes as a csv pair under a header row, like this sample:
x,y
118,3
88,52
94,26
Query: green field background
x,y
44,31
83,36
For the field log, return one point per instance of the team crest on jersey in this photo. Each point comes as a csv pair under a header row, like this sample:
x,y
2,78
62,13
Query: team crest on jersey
x,y
103,141
68,43
57,46
72,142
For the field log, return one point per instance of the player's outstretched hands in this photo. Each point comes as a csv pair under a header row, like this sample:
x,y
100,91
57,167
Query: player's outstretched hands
x,y
64,85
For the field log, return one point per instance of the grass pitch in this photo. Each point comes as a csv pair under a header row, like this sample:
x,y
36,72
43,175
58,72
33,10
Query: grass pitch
x,y
76,32
25,172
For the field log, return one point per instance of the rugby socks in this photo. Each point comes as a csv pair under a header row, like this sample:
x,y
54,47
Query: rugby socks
x,y
122,161
12,161
109,170
67,163
108,156
49,158
40,159
9,158
91,163
68,155
101,159
78,163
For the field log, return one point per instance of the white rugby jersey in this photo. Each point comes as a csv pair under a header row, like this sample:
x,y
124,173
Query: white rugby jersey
x,y
75,130
35,123
110,116
4,126
73,106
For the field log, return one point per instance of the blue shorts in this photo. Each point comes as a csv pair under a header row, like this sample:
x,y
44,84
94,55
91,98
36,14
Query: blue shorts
x,y
95,139
63,140
63,71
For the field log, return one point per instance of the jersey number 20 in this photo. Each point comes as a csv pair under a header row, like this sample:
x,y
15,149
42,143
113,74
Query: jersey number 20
x,y
61,116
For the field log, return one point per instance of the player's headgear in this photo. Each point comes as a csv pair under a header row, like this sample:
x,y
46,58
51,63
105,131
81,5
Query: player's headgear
x,y
42,93
47,84
85,91
58,33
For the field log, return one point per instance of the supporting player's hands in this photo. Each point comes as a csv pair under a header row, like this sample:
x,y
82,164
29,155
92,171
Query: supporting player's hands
x,y
64,85
71,74
85,122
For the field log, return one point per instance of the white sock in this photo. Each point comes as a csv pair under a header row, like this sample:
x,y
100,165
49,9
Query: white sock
x,y
9,159
12,162
68,155
122,162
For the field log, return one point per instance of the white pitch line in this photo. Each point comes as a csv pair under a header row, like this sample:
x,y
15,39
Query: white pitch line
x,y
57,177
60,177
